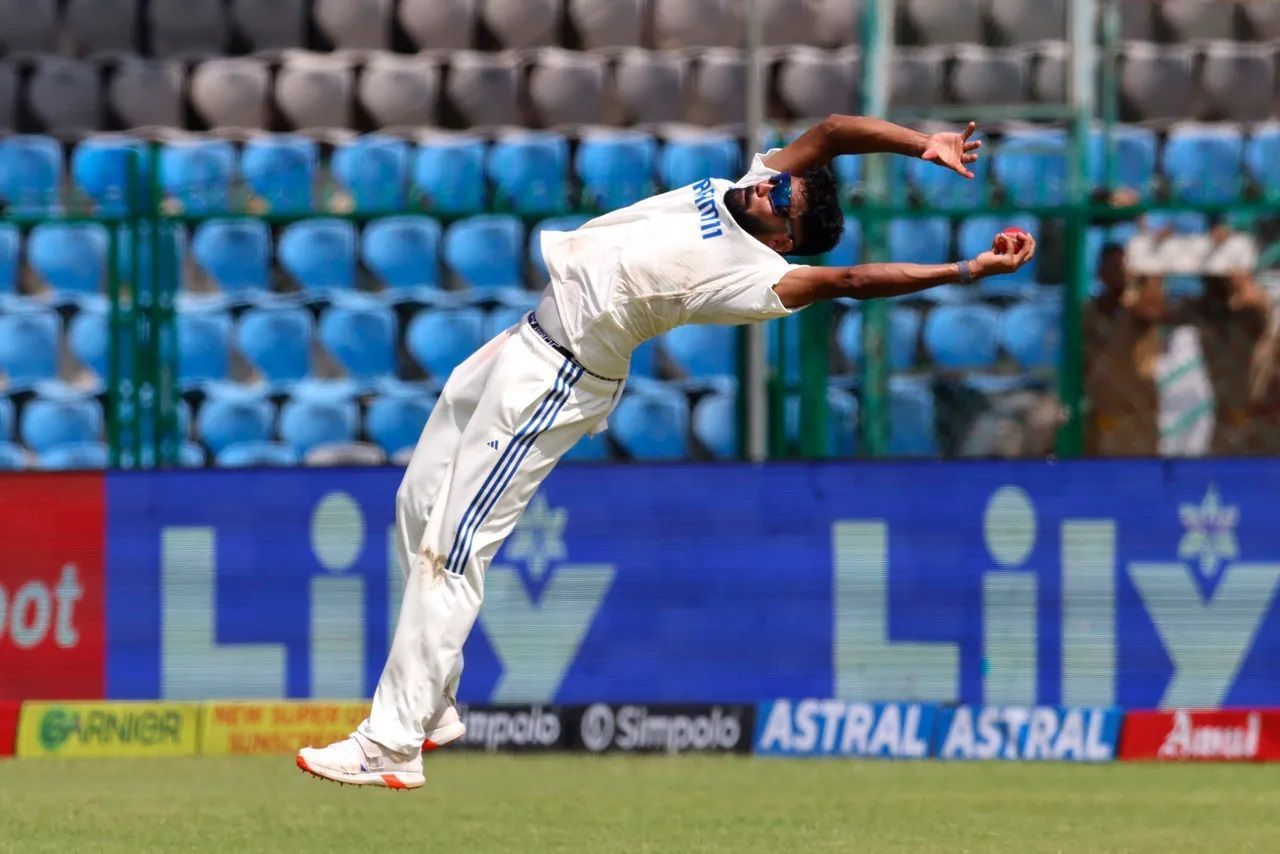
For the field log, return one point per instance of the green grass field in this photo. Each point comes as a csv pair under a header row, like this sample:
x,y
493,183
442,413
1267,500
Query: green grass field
x,y
476,803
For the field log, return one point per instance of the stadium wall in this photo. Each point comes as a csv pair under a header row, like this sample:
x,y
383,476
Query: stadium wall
x,y
1145,584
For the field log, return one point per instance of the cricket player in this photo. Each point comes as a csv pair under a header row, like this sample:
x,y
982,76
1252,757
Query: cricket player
x,y
711,252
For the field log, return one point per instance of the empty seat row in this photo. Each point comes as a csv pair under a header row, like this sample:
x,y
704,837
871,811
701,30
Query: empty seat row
x,y
309,91
1016,21
183,28
964,337
529,172
541,172
554,87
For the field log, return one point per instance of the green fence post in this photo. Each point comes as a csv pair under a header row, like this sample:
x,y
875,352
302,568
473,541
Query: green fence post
x,y
113,347
815,337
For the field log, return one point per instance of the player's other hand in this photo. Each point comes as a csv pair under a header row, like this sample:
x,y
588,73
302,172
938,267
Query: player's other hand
x,y
1005,256
953,150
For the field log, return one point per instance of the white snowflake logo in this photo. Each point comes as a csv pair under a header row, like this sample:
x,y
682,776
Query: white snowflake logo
x,y
1210,532
539,537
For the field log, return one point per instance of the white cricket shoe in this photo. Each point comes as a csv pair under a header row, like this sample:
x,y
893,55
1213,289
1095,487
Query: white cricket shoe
x,y
446,731
360,762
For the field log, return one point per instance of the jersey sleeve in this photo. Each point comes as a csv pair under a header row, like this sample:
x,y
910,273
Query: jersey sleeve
x,y
744,294
758,171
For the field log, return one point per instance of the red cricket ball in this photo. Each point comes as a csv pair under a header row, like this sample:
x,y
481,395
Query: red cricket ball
x,y
1014,237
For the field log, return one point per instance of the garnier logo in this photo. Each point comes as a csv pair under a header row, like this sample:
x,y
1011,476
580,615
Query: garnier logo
x,y
55,726
109,727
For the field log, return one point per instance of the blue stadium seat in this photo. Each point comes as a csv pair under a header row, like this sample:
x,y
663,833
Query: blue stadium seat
x,y
942,188
920,241
616,169
375,169
361,335
404,253
48,422
70,257
320,254
1031,332
81,455
253,454
6,419
974,237
685,160
326,390
644,359
12,457
904,332
1133,158
842,421
191,456
589,449
199,174
103,166
703,350
1032,166
30,174
503,317
651,424
236,254
395,422
305,424
230,419
277,342
1202,162
441,340
204,346
848,250
715,424
962,337
449,173
486,251
88,341
29,346
530,171
912,429
10,257
1262,157
280,169
848,169
569,222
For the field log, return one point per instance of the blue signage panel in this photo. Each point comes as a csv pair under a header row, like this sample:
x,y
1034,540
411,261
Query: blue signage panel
x,y
1091,584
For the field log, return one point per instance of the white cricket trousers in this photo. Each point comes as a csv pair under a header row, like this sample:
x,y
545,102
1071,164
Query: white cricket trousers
x,y
506,415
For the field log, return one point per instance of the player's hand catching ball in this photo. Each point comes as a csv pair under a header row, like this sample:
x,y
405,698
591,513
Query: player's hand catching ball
x,y
1010,249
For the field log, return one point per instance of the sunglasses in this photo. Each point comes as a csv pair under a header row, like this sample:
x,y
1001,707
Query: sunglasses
x,y
780,198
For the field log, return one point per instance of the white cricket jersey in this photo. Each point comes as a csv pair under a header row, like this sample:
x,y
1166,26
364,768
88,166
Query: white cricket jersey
x,y
672,259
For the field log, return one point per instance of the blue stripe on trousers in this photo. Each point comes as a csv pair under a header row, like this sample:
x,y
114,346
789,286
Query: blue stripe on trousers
x,y
510,465
503,471
525,447
478,498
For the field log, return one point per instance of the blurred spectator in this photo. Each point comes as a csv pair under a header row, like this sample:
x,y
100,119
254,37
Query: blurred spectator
x,y
1122,348
1232,316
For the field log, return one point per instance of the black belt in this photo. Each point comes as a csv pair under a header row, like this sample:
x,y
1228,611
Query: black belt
x,y
563,350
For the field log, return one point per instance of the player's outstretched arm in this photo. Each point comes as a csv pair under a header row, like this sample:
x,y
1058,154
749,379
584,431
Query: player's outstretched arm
x,y
836,135
807,285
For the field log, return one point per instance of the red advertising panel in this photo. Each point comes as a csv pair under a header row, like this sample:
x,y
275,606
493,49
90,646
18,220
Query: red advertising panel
x,y
51,590
1239,735
8,726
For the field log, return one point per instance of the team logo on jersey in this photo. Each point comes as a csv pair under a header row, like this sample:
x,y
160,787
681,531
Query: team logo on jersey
x,y
704,196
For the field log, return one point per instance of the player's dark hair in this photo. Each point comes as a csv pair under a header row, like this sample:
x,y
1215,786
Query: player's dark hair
x,y
1110,247
822,222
